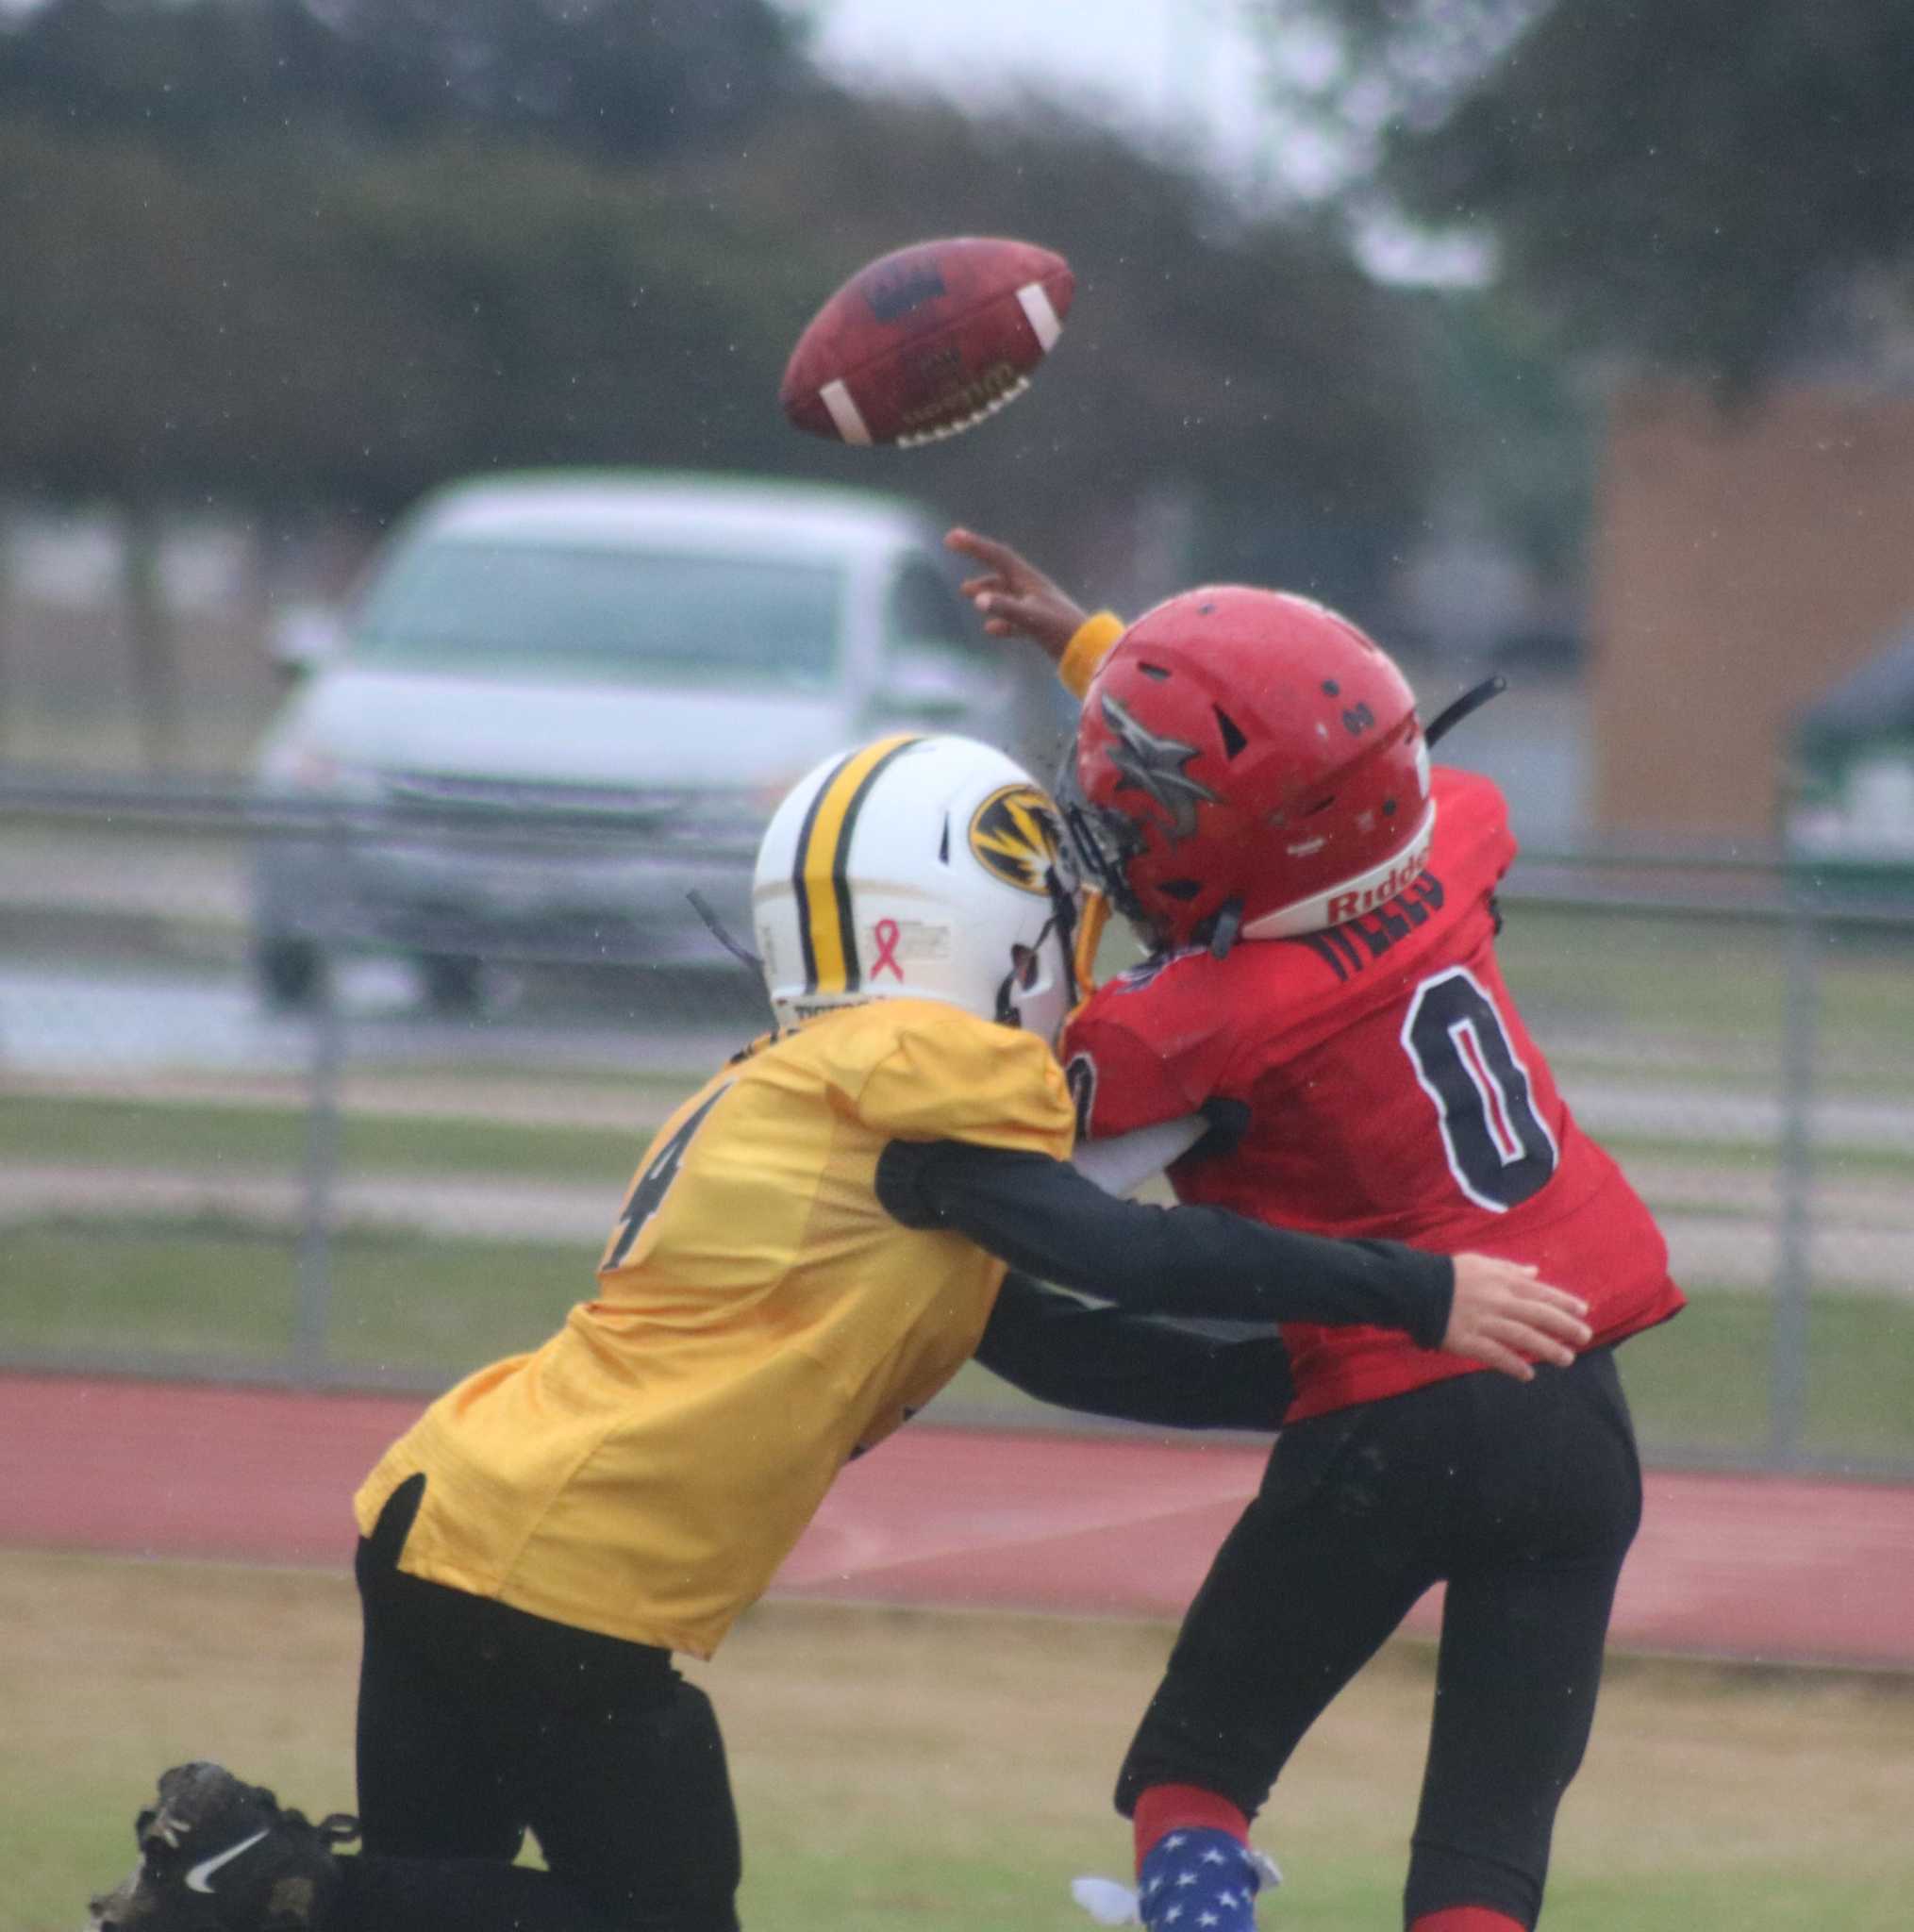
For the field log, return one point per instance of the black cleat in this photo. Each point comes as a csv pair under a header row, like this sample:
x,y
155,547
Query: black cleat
x,y
219,1855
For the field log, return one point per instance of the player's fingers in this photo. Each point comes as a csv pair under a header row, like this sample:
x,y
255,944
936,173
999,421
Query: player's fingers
x,y
1524,1285
1492,1355
1528,1283
1516,1274
999,621
1538,1342
1495,1267
1000,556
1025,613
1553,1316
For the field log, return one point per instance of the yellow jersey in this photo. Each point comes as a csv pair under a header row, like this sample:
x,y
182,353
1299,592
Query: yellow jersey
x,y
760,1319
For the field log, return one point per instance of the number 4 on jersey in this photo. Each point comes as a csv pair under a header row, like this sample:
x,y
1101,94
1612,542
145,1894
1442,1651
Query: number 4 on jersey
x,y
648,1192
1498,1149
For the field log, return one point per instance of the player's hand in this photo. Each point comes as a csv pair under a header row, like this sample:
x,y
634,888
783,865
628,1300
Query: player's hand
x,y
1505,1315
1014,598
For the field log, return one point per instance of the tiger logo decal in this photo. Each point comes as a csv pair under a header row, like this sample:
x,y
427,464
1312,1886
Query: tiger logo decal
x,y
1015,836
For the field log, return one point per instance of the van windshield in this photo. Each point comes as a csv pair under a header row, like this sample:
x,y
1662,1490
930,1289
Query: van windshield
x,y
636,613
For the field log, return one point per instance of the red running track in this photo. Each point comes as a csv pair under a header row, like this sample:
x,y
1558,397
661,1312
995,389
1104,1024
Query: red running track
x,y
1773,1568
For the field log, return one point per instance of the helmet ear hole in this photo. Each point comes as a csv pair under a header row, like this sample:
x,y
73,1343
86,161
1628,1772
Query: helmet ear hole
x,y
1233,739
1153,671
1185,889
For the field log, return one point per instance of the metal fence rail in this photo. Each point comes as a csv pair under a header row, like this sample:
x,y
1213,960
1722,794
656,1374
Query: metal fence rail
x,y
395,1169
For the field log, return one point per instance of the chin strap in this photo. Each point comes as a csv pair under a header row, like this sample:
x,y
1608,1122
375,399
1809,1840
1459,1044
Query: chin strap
x,y
1094,915
1007,1013
737,949
1228,929
742,954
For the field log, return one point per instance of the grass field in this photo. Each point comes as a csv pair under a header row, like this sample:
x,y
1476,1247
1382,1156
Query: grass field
x,y
949,1771
1645,998
272,1139
422,1310
1704,979
271,1136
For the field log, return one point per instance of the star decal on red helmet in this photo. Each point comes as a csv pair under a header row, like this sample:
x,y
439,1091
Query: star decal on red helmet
x,y
1155,765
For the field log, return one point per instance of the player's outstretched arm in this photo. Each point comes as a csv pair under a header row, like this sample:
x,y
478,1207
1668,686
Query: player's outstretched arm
x,y
1043,1217
1152,1369
1505,1315
1013,597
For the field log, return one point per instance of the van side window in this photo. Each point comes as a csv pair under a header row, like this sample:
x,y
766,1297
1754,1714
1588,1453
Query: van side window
x,y
924,609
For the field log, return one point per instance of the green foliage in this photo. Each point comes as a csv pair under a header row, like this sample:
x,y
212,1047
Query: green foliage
x,y
298,286
1512,426
1685,184
608,78
332,256
289,331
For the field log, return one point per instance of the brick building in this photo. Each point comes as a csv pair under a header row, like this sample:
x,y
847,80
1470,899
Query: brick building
x,y
1744,561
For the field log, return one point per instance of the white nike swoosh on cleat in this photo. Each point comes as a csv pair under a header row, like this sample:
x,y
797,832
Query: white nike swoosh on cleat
x,y
196,1878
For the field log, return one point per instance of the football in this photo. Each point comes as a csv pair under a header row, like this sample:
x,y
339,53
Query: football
x,y
928,341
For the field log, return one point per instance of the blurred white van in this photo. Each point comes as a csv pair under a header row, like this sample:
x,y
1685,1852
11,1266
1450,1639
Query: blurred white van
x,y
562,699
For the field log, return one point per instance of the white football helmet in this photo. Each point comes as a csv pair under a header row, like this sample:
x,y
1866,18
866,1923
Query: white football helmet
x,y
917,867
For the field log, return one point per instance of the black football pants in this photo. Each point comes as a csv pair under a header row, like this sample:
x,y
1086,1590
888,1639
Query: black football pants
x,y
1524,1497
477,1723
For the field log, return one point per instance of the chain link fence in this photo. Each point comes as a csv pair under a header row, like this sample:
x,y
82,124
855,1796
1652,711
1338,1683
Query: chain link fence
x,y
350,1099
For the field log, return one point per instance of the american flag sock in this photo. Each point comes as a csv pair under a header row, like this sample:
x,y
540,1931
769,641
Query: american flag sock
x,y
1195,1872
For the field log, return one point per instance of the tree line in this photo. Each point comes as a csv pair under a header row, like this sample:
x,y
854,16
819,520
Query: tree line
x,y
281,254
1719,188
260,253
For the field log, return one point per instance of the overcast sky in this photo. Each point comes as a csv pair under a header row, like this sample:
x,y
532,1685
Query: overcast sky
x,y
1187,68
1192,71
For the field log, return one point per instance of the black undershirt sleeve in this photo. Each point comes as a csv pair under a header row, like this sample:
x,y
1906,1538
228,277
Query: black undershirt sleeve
x,y
1045,1218
1156,1369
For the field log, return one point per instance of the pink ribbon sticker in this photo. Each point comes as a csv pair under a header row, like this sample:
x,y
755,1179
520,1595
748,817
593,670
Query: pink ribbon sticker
x,y
885,932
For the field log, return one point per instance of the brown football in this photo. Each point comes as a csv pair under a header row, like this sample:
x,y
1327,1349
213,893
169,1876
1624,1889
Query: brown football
x,y
928,341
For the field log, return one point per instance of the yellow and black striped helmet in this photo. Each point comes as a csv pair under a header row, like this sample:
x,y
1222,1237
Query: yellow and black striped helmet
x,y
916,868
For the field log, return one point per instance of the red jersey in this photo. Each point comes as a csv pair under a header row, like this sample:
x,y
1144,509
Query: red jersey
x,y
1385,1086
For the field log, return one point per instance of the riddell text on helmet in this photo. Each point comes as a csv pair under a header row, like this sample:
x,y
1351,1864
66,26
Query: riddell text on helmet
x,y
1399,877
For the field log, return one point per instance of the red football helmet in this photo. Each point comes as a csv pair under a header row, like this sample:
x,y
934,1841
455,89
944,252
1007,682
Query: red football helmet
x,y
1249,760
